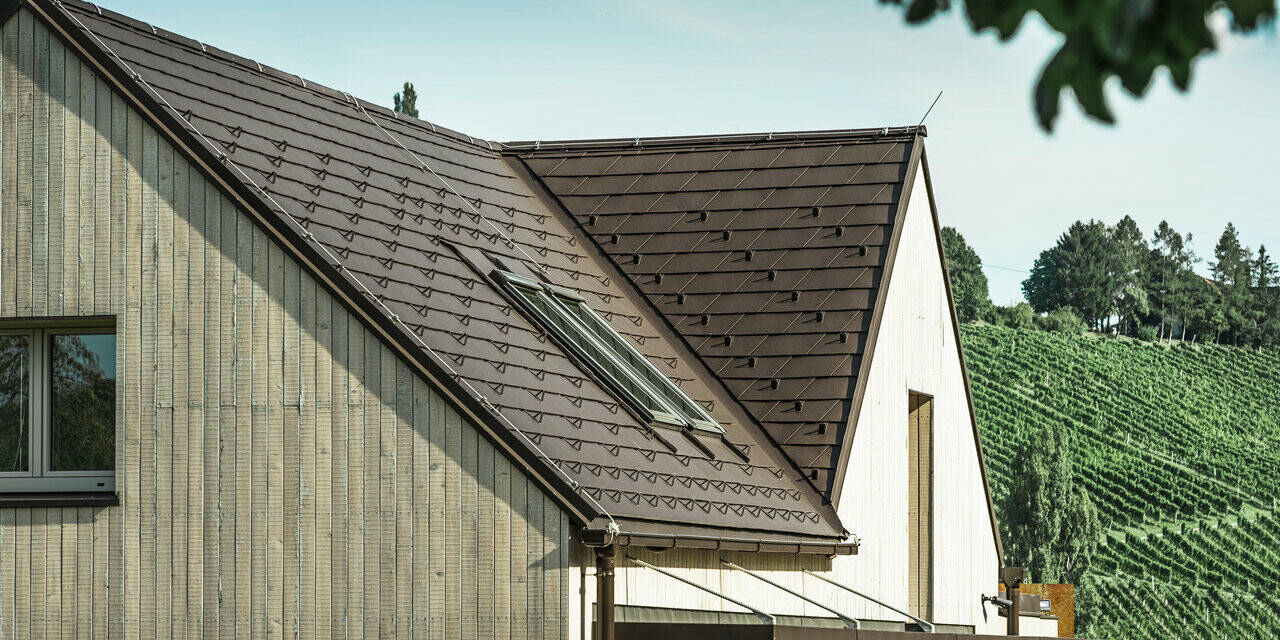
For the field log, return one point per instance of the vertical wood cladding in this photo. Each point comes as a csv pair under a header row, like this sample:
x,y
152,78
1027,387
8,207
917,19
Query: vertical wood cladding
x,y
281,472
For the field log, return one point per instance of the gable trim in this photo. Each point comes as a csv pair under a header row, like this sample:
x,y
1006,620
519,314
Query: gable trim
x,y
877,317
180,134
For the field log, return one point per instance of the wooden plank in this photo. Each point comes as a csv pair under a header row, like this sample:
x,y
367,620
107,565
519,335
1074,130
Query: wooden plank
x,y
243,423
22,607
188,316
72,154
9,162
437,526
519,545
369,499
8,571
306,554
386,499
286,463
25,133
487,542
112,177
325,435
84,592
141,173
25,136
535,551
54,294
502,576
39,555
403,486
196,433
90,134
356,524
40,176
275,486
421,495
71,568
162,188
340,440
259,433
469,537
453,568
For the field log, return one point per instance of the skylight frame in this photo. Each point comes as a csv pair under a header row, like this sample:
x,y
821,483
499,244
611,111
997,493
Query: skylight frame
x,y
566,322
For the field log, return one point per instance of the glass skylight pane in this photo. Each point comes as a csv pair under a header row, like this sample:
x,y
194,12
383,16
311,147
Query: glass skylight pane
x,y
607,364
641,365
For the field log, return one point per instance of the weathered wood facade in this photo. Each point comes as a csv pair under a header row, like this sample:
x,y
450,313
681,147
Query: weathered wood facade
x,y
281,473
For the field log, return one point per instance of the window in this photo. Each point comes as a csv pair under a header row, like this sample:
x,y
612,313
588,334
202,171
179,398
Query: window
x,y
626,371
919,504
57,408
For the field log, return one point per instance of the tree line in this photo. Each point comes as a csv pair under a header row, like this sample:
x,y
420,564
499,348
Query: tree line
x,y
1112,278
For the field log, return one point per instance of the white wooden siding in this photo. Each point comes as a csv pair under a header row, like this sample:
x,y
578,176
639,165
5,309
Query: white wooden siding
x,y
915,351
281,472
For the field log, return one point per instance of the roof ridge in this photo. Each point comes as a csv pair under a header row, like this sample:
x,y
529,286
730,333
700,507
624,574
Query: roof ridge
x,y
730,139
255,66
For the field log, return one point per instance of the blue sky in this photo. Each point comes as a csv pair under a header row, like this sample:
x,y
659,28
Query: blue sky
x,y
611,68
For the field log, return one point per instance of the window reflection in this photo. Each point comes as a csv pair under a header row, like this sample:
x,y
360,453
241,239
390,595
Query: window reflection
x,y
15,402
83,402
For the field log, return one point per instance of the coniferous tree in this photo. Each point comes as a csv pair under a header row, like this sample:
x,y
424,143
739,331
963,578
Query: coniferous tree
x,y
406,101
1267,298
1080,272
1232,266
1173,287
1132,301
968,282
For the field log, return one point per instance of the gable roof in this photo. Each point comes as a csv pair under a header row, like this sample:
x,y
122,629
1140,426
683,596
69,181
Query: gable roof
x,y
766,253
403,220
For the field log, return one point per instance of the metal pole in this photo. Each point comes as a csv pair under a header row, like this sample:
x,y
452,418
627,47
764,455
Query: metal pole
x,y
1012,578
850,623
924,624
604,591
1015,606
764,617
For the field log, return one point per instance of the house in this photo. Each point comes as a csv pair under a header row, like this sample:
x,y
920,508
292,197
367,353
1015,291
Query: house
x,y
278,361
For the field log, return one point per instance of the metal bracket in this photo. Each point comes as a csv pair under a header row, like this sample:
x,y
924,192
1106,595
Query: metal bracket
x,y
764,617
924,624
850,623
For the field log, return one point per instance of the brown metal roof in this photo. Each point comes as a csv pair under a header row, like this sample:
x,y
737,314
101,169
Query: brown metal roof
x,y
323,172
765,252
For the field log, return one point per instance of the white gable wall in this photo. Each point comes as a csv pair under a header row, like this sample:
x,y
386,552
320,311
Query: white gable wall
x,y
916,351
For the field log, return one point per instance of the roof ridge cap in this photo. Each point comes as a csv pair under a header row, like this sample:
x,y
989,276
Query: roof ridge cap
x,y
734,139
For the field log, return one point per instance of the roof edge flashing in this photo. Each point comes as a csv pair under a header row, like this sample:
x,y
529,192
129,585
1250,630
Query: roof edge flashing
x,y
824,135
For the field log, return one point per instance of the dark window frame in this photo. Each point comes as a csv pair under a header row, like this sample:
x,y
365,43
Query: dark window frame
x,y
658,406
40,477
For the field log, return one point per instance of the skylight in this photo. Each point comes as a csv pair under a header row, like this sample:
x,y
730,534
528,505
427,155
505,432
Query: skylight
x,y
613,358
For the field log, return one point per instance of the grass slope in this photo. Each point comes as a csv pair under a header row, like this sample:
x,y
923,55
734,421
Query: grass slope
x,y
1179,448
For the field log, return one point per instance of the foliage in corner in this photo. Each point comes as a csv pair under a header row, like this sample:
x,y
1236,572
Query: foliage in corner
x,y
1128,39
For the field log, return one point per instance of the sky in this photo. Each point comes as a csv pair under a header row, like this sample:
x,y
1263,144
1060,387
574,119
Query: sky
x,y
559,69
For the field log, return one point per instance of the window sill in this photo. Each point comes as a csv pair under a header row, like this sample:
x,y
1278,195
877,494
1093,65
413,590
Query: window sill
x,y
60,499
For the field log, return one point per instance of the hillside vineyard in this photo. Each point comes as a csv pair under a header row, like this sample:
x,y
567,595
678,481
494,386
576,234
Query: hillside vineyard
x,y
1179,448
